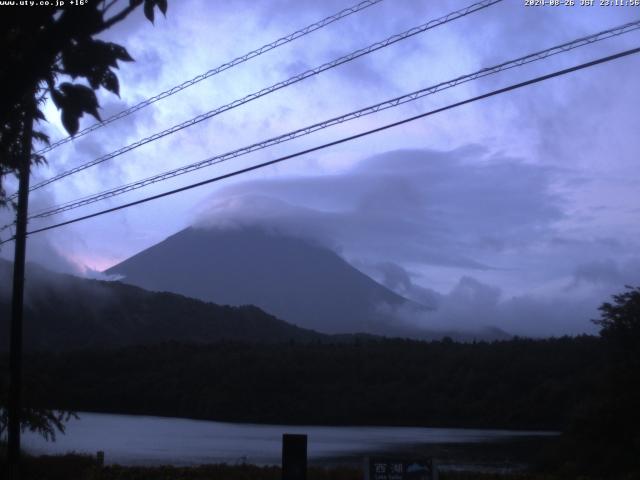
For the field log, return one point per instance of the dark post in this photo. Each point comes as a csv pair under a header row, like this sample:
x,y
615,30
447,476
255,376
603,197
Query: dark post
x,y
294,457
15,345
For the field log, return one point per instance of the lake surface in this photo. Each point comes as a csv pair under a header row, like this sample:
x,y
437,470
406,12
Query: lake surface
x,y
141,440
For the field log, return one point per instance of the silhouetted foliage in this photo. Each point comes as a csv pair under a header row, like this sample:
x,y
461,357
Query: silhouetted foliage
x,y
58,467
40,49
44,422
620,329
509,384
84,467
604,439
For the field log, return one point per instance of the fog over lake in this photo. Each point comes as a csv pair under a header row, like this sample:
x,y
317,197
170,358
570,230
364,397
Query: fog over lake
x,y
137,440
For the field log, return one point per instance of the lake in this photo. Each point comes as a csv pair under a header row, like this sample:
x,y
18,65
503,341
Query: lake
x,y
143,440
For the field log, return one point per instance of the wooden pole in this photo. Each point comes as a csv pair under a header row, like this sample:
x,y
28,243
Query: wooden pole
x,y
294,457
17,300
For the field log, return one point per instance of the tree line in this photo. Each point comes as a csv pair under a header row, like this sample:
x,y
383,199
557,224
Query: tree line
x,y
521,384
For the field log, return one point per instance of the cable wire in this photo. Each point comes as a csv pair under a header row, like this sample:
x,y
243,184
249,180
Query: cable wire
x,y
394,102
214,71
516,86
277,86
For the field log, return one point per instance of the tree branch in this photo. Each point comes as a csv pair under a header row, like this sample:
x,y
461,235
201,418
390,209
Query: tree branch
x,y
106,8
118,17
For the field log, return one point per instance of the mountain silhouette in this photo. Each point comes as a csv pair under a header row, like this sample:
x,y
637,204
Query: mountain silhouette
x,y
294,279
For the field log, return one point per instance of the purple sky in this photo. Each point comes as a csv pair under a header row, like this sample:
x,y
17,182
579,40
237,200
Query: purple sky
x,y
519,211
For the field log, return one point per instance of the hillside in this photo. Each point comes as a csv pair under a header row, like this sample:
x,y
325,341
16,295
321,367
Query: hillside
x,y
64,312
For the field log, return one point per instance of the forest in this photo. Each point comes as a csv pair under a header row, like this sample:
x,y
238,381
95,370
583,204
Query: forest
x,y
517,384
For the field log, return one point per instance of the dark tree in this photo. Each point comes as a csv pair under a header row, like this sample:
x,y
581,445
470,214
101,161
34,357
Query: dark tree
x,y
620,329
41,49
604,438
44,422
53,52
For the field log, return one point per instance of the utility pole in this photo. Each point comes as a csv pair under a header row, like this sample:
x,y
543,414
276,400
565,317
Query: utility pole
x,y
17,299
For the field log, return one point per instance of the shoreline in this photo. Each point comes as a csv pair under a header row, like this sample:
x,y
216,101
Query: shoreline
x,y
515,455
503,456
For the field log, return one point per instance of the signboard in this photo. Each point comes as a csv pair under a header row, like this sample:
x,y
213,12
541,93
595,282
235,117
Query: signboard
x,y
400,469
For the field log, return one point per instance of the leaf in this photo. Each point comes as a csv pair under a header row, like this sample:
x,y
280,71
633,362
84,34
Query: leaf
x,y
103,54
80,98
70,121
162,5
148,9
40,116
94,113
42,137
39,159
95,79
110,82
90,58
57,97
120,52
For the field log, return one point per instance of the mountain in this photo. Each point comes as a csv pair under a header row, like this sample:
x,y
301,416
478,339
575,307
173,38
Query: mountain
x,y
64,312
293,279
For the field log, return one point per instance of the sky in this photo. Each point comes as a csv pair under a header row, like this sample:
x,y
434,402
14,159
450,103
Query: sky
x,y
518,211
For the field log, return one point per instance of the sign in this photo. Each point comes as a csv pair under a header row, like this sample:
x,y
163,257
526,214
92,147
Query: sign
x,y
400,469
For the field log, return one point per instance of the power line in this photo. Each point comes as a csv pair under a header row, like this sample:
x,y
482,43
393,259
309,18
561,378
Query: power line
x,y
277,86
214,71
394,102
342,140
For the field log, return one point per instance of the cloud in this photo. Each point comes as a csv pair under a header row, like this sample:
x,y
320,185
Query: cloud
x,y
61,251
473,306
533,193
483,220
607,272
42,252
398,279
442,208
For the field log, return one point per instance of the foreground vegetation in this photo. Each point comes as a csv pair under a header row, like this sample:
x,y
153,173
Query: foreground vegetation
x,y
80,467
